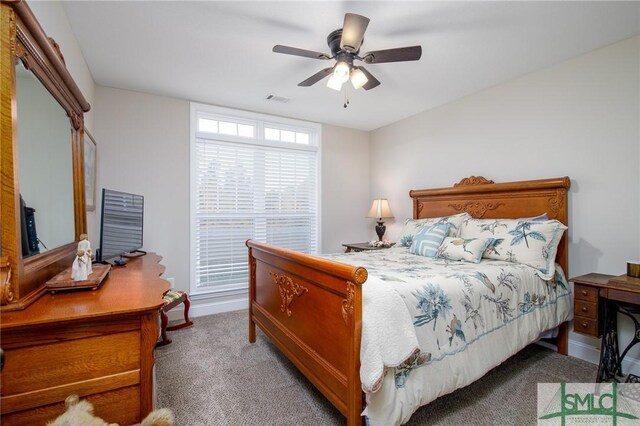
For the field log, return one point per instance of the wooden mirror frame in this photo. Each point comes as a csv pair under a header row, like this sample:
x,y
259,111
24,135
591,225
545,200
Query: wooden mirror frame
x,y
21,37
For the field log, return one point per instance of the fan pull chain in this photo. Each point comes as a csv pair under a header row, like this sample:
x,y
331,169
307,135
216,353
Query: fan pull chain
x,y
346,96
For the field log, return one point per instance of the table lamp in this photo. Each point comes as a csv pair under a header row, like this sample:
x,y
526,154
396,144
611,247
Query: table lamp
x,y
380,209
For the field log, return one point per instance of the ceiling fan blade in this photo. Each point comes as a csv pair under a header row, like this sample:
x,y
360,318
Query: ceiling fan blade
x,y
371,80
353,31
412,53
316,77
287,50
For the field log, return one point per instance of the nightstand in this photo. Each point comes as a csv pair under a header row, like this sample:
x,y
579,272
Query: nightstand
x,y
598,298
362,247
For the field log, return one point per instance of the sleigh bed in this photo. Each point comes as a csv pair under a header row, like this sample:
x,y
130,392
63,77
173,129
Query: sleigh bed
x,y
312,307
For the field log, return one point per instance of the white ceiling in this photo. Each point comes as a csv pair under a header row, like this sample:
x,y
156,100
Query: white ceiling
x,y
220,52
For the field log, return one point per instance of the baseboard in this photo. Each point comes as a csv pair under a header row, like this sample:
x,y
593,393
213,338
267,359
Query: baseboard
x,y
211,306
591,354
584,351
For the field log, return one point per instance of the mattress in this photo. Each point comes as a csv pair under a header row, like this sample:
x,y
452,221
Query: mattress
x,y
431,326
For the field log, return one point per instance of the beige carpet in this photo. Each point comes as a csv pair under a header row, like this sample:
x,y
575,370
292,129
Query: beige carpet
x,y
212,375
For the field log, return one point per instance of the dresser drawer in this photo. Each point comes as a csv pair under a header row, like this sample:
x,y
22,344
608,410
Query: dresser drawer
x,y
624,296
67,362
584,325
586,309
585,292
126,412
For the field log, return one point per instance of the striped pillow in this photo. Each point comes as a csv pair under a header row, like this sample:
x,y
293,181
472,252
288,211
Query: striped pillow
x,y
412,226
427,240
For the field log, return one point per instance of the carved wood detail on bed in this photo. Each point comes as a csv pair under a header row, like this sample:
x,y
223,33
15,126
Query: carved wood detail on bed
x,y
475,208
347,304
316,339
289,290
473,180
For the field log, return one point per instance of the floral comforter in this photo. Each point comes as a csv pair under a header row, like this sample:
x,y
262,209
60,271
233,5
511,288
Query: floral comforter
x,y
468,318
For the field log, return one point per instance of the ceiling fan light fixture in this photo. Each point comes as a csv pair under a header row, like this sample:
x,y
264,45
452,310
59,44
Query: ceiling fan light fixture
x,y
341,71
344,44
334,83
358,79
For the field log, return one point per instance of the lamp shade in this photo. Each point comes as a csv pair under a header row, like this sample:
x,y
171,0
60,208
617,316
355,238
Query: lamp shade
x,y
334,83
341,71
380,209
358,79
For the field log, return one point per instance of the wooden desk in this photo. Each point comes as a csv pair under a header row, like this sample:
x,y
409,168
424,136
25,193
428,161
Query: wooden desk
x,y
598,300
97,344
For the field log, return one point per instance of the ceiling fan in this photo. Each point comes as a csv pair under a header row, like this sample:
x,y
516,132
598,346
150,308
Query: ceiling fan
x,y
345,46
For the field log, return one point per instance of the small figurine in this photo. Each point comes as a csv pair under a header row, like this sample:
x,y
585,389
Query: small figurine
x,y
79,267
85,246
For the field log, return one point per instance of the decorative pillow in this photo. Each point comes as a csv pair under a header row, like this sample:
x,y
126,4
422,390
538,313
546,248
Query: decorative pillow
x,y
412,226
539,218
427,240
530,242
460,249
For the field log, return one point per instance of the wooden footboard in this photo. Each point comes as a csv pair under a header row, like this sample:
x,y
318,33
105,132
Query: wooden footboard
x,y
311,308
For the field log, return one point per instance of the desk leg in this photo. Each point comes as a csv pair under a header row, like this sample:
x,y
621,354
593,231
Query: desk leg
x,y
629,311
609,365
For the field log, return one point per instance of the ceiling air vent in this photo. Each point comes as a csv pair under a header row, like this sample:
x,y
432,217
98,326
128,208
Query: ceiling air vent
x,y
280,99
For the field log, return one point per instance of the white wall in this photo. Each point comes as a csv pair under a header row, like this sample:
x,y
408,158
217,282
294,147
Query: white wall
x,y
143,145
345,188
143,148
578,118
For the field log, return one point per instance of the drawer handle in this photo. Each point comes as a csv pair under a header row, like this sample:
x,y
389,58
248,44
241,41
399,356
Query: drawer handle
x,y
585,325
584,292
585,309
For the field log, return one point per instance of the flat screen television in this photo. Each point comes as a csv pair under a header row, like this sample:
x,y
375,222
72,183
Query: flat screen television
x,y
121,224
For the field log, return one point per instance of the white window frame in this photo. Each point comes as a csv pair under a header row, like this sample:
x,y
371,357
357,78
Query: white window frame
x,y
259,121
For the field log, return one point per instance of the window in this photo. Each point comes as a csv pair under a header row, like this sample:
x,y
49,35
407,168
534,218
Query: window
x,y
286,135
252,176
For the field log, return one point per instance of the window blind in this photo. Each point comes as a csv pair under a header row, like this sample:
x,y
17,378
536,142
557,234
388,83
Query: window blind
x,y
249,190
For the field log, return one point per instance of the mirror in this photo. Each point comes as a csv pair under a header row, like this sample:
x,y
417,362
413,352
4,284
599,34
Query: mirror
x,y
42,157
45,167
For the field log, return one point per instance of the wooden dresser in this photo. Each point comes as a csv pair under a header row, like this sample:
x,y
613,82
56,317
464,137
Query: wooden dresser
x,y
97,344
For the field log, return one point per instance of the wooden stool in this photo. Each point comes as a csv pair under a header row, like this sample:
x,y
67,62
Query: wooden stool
x,y
171,300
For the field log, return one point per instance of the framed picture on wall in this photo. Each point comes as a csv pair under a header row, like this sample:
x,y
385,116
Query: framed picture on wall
x,y
90,171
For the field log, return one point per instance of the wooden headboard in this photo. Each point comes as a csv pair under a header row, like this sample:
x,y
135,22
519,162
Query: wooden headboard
x,y
483,198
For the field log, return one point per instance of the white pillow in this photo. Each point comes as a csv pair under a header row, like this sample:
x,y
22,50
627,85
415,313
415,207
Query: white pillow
x,y
412,226
460,249
533,243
